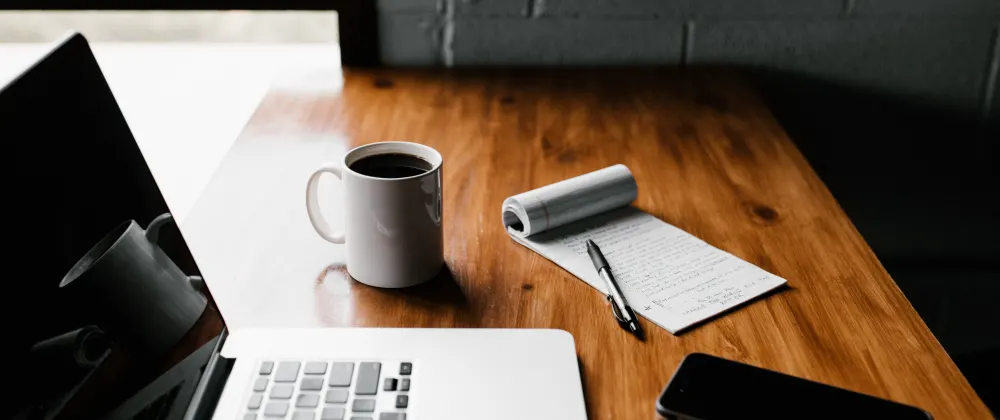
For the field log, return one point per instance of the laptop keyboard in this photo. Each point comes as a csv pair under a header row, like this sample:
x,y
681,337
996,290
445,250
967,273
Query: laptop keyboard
x,y
330,390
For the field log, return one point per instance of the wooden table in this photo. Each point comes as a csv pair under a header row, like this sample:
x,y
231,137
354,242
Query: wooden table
x,y
708,157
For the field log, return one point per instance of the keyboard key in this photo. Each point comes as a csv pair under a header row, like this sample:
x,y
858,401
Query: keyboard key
x,y
255,401
282,392
315,368
402,400
303,415
311,383
276,409
307,401
392,416
336,396
260,384
363,405
333,413
341,373
389,384
360,418
265,368
404,385
250,416
367,378
405,368
287,372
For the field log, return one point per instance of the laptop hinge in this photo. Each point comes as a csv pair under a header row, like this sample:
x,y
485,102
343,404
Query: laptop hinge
x,y
210,386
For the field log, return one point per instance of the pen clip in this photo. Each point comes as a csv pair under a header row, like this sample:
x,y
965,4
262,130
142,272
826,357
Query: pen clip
x,y
615,311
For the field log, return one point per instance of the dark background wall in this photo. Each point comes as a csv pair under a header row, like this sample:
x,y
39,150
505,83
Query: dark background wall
x,y
940,50
894,102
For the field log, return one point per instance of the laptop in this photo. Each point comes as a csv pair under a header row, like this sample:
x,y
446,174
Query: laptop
x,y
108,318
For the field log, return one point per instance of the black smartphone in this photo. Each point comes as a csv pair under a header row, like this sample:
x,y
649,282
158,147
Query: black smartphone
x,y
706,387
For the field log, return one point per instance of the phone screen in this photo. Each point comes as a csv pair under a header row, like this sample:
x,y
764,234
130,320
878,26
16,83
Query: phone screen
x,y
707,388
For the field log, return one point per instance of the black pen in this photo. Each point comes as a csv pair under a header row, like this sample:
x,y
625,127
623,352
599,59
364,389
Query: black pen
x,y
619,306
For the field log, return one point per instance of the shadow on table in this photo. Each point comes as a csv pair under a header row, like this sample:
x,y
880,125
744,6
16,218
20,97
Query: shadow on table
x,y
443,289
438,303
342,301
917,178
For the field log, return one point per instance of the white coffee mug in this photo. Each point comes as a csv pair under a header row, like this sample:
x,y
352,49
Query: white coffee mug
x,y
393,225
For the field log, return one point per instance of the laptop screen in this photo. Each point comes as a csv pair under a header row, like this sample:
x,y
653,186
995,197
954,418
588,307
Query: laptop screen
x,y
102,293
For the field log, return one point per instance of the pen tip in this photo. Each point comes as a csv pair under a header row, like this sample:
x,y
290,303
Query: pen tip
x,y
590,243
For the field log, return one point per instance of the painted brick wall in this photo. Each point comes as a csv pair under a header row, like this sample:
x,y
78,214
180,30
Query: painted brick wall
x,y
938,51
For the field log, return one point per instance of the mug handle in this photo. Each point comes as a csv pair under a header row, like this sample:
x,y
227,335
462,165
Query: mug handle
x,y
312,205
152,234
153,229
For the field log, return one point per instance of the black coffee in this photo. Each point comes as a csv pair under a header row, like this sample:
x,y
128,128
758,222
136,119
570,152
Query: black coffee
x,y
391,165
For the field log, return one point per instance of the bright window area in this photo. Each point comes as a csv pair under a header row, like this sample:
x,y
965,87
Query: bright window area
x,y
187,82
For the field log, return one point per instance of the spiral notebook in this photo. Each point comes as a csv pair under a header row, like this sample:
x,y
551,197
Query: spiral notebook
x,y
668,276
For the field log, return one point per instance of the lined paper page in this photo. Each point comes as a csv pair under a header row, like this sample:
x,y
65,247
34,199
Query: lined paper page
x,y
668,276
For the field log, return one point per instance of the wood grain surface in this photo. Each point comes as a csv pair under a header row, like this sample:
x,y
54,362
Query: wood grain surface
x,y
708,157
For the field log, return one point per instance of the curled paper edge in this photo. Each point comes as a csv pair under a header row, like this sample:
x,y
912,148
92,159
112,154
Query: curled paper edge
x,y
513,214
568,201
